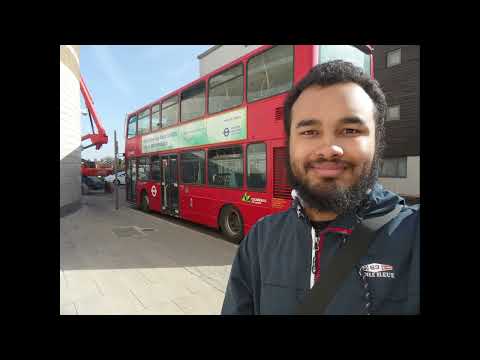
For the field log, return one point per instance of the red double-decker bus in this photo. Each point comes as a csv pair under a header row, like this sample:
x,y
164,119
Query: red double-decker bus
x,y
213,152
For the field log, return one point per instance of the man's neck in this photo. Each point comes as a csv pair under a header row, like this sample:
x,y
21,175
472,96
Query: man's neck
x,y
315,215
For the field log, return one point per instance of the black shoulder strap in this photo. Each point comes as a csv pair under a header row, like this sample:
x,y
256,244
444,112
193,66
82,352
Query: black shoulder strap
x,y
350,254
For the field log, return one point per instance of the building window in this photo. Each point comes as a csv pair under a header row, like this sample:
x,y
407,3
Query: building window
x,y
132,127
256,166
270,72
192,165
394,57
144,122
393,113
225,90
193,102
155,117
170,111
394,167
225,167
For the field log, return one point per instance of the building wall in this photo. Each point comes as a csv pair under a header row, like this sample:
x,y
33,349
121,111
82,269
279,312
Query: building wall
x,y
70,132
401,85
409,186
222,55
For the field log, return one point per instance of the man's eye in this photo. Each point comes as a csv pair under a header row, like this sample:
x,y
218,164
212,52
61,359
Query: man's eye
x,y
350,131
309,132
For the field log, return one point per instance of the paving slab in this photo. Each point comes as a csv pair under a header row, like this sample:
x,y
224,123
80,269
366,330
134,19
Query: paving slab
x,y
172,270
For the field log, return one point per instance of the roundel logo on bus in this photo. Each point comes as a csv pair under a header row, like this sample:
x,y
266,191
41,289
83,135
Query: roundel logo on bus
x,y
154,191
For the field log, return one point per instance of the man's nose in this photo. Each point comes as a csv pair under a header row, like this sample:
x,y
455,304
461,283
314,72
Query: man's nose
x,y
329,151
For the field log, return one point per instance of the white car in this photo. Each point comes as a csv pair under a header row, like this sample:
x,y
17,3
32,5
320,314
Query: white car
x,y
120,178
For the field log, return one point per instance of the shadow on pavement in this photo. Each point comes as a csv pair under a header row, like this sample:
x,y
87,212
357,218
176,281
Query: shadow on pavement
x,y
100,237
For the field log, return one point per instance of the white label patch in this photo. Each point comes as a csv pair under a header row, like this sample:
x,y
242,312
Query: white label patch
x,y
378,270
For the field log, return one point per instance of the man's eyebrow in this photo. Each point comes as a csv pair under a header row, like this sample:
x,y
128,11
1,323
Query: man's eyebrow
x,y
307,122
353,120
343,121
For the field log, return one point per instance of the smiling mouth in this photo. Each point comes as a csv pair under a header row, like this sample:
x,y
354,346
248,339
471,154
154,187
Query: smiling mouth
x,y
327,169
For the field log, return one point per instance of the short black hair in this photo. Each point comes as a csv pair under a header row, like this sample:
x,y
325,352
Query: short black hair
x,y
337,72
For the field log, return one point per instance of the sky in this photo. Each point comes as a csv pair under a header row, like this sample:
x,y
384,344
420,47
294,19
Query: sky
x,y
122,78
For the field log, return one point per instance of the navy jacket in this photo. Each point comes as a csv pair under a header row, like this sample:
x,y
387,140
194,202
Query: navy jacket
x,y
271,273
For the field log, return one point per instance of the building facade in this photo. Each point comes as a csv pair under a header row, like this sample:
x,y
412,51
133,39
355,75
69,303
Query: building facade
x,y
397,68
70,129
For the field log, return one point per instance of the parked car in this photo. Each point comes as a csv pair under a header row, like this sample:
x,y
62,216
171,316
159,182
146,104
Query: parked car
x,y
120,178
93,182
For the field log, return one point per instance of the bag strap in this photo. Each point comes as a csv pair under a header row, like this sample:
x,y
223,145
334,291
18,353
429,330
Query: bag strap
x,y
350,254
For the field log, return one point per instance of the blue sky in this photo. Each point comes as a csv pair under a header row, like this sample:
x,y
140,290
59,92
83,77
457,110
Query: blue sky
x,y
122,78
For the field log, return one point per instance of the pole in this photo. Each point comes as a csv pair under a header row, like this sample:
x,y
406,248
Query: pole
x,y
115,169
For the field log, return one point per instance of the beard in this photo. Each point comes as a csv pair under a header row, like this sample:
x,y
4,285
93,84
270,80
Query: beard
x,y
329,196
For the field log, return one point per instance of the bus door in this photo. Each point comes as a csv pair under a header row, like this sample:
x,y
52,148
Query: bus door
x,y
170,185
131,179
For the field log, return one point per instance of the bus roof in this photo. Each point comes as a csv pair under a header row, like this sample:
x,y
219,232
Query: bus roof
x,y
365,48
200,79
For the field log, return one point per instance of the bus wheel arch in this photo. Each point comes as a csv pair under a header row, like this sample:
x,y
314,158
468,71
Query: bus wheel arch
x,y
231,223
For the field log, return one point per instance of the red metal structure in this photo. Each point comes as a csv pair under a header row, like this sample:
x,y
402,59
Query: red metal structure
x,y
90,168
213,152
97,139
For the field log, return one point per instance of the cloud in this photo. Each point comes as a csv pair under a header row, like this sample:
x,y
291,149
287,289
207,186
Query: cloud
x,y
107,63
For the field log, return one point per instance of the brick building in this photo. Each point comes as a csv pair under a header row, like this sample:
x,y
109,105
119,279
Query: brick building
x,y
70,130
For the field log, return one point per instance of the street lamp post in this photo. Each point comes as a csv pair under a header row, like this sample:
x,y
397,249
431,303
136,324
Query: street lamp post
x,y
115,169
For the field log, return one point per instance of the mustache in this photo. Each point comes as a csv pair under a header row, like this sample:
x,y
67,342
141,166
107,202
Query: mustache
x,y
311,164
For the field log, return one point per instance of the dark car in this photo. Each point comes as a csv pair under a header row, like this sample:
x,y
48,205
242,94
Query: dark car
x,y
93,182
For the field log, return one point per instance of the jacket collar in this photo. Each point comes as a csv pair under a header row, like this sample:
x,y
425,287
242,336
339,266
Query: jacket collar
x,y
343,222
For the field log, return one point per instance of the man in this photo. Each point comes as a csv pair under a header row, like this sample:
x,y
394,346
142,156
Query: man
x,y
334,120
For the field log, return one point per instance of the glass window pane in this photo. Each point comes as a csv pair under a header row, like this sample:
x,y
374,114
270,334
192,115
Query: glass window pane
x,y
347,53
192,165
394,57
156,108
155,120
393,113
225,167
193,102
226,90
144,123
394,167
256,165
132,127
156,168
226,75
143,169
169,111
170,101
270,72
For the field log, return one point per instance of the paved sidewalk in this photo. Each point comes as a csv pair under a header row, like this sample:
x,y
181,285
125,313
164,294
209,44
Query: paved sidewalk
x,y
128,262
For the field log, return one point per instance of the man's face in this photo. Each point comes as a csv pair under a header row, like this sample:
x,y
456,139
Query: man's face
x,y
332,145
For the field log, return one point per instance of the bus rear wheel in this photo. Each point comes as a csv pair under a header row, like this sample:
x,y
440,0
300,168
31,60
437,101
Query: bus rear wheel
x,y
231,224
145,206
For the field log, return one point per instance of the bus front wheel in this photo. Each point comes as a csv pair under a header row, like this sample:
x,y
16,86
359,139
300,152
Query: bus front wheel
x,y
231,224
